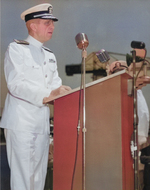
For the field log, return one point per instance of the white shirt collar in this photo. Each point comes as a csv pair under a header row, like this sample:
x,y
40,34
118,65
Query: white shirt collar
x,y
34,42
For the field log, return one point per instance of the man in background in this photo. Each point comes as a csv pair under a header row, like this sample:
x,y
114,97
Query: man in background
x,y
142,108
143,123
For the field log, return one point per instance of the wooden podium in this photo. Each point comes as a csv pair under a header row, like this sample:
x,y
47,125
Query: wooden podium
x,y
109,124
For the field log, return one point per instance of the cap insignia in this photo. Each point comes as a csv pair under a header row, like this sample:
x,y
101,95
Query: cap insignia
x,y
50,9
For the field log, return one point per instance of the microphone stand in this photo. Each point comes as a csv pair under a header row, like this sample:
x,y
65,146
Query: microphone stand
x,y
82,43
84,56
135,135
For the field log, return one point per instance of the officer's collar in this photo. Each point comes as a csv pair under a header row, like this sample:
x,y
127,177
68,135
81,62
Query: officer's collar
x,y
34,42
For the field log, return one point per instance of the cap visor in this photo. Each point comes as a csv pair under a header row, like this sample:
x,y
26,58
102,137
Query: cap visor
x,y
49,17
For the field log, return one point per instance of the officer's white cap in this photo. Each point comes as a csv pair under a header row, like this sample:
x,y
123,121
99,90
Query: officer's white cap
x,y
42,11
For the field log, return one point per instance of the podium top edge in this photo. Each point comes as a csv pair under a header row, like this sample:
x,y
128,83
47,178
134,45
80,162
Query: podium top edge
x,y
94,83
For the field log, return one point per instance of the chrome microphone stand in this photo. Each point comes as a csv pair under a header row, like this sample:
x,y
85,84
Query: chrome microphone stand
x,y
137,46
84,56
135,135
82,43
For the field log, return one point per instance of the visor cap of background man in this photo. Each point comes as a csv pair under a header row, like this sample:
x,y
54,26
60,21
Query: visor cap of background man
x,y
42,11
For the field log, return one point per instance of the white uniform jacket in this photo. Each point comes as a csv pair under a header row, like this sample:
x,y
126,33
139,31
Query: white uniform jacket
x,y
31,74
143,115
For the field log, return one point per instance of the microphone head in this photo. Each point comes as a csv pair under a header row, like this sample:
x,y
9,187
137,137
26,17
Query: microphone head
x,y
137,45
103,56
82,40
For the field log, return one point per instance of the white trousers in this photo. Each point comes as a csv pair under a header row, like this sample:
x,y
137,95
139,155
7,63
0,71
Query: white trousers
x,y
27,157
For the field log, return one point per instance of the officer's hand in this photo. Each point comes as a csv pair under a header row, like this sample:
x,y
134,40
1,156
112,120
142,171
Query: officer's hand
x,y
54,93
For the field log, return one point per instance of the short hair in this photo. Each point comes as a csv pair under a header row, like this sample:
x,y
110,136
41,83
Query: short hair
x,y
28,23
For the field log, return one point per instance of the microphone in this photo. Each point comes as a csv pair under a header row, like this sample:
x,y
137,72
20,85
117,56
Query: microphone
x,y
103,56
137,45
82,41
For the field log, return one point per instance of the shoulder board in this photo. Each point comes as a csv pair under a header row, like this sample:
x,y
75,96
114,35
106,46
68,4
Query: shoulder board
x,y
21,42
47,49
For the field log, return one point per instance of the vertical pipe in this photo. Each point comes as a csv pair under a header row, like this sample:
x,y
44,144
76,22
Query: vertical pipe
x,y
136,183
84,55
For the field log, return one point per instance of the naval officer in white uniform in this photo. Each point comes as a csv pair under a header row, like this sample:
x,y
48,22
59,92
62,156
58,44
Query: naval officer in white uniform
x,y
32,80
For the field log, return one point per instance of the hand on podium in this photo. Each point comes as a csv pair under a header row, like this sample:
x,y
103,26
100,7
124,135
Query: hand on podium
x,y
62,90
117,66
142,81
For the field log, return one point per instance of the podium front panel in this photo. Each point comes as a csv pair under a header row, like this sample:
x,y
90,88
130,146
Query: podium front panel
x,y
109,124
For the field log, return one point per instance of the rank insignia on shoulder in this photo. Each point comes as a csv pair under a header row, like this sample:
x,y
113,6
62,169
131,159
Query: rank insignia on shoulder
x,y
21,42
52,61
47,49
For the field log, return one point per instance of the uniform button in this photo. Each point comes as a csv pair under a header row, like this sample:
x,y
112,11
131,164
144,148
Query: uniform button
x,y
44,62
45,76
